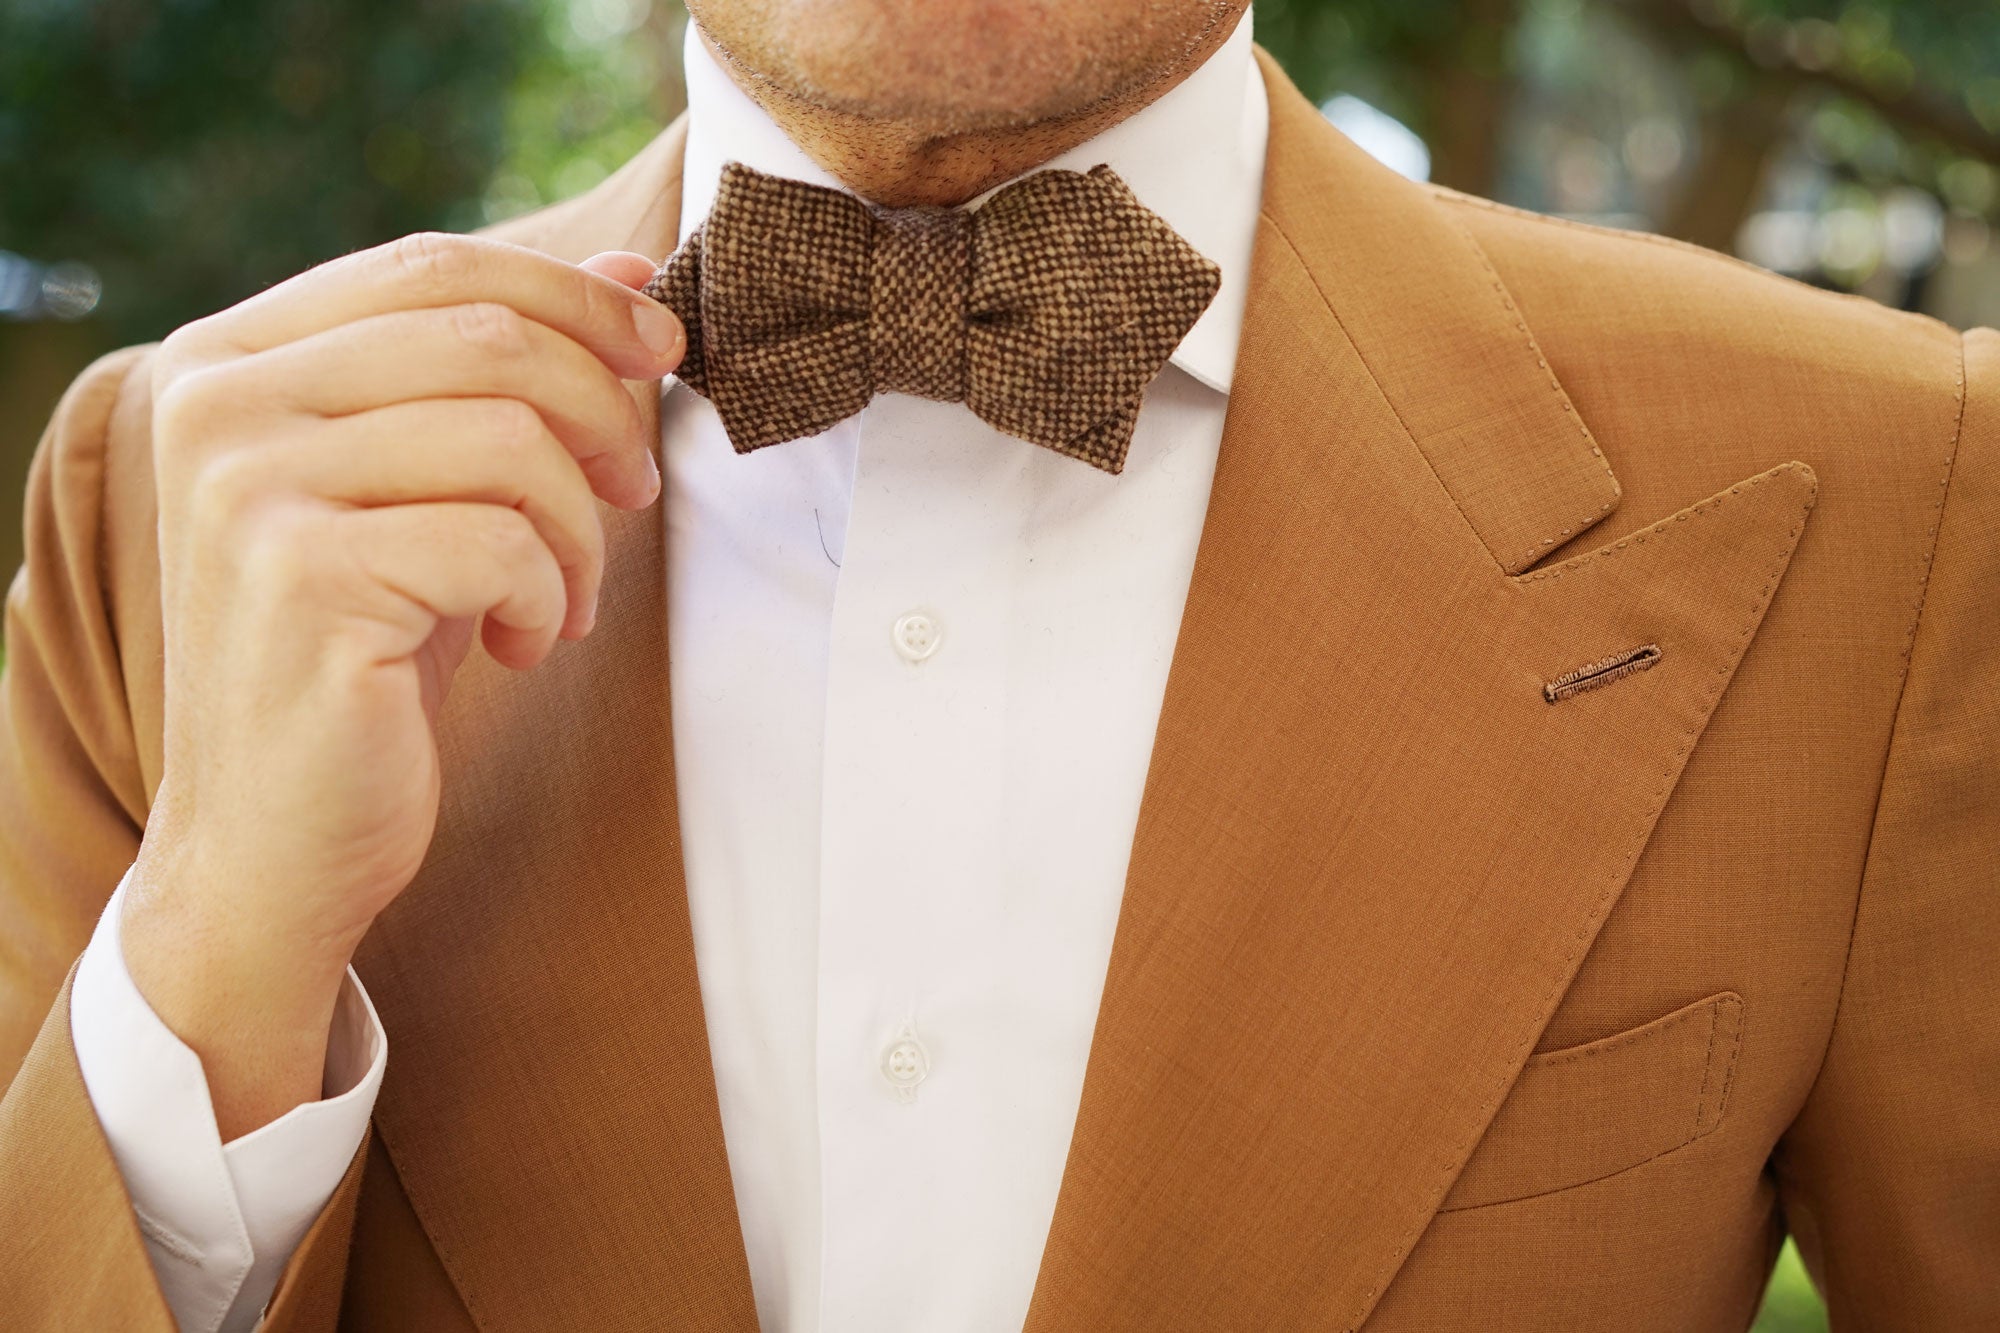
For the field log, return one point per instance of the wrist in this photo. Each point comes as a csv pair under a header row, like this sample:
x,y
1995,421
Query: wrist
x,y
225,907
254,1000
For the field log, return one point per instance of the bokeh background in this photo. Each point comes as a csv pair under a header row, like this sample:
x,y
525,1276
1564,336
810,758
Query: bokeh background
x,y
161,159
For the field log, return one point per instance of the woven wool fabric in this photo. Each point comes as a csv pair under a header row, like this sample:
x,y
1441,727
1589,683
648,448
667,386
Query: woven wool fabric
x,y
1047,312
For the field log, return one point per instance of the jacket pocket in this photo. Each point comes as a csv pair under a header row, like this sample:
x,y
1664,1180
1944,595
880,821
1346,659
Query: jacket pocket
x,y
1586,1112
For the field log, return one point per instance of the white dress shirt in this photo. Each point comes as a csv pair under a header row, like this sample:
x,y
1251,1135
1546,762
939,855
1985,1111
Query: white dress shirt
x,y
219,1220
916,670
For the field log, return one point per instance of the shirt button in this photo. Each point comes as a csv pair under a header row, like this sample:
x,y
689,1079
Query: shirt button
x,y
916,636
905,1064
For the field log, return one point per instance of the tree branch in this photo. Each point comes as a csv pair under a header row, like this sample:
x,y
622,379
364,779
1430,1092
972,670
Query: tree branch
x,y
1932,117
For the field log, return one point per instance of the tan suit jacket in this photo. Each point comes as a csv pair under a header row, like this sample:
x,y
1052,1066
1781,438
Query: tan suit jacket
x,y
1433,1005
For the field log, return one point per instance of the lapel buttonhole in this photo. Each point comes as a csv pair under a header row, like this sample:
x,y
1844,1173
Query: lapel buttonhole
x,y
1601,672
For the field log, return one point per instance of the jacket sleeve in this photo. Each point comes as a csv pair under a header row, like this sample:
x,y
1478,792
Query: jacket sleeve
x,y
72,809
1890,1176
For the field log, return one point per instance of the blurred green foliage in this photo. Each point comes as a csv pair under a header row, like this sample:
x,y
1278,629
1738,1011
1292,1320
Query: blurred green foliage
x,y
1893,91
1945,54
193,152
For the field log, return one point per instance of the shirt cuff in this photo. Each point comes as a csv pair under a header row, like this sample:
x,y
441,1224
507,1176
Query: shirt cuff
x,y
220,1221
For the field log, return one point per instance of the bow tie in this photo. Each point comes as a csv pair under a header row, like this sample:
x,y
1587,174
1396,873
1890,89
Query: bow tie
x,y
1046,312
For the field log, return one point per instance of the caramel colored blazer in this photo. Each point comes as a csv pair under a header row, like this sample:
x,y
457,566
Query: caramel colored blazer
x,y
1433,1005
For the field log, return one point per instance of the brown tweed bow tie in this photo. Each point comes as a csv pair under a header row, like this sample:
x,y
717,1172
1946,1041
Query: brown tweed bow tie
x,y
1047,311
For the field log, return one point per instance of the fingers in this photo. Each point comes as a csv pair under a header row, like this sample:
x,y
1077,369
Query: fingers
x,y
478,350
450,560
455,401
636,336
492,451
621,266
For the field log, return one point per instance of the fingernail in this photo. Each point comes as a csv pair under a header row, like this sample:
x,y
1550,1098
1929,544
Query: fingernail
x,y
653,466
658,328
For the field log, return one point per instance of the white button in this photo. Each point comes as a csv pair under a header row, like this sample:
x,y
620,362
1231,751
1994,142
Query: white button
x,y
905,1064
916,636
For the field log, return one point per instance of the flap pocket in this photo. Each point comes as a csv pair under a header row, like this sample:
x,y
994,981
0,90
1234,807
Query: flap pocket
x,y
1585,1112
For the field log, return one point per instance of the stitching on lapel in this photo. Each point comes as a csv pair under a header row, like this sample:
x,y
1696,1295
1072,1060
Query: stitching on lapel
x,y
1266,218
1666,525
1562,396
1609,891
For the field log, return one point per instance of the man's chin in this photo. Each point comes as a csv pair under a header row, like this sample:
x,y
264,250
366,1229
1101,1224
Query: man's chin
x,y
948,68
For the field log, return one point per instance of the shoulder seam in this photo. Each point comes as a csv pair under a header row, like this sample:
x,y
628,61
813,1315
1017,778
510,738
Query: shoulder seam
x,y
1964,388
1449,195
1964,391
1445,194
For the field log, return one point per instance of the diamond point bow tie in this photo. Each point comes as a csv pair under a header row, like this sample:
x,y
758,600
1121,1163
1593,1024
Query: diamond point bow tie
x,y
1047,311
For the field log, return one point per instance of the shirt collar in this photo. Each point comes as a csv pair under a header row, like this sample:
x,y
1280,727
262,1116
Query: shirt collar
x,y
1195,156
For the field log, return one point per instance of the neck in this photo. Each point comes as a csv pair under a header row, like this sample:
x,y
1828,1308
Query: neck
x,y
898,165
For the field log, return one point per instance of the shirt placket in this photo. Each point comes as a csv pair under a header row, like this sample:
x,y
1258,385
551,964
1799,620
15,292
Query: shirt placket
x,y
912,853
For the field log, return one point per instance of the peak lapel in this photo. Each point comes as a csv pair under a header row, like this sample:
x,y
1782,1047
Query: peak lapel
x,y
1371,855
550,1106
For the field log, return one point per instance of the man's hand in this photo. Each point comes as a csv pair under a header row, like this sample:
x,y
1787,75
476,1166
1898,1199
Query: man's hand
x,y
356,468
